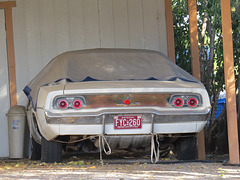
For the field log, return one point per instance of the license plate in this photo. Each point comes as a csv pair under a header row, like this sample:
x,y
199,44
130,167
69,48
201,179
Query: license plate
x,y
127,122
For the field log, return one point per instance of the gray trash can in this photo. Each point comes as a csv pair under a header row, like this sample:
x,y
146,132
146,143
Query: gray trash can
x,y
16,126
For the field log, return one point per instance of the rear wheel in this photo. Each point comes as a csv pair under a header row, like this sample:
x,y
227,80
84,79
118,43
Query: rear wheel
x,y
35,150
51,151
186,148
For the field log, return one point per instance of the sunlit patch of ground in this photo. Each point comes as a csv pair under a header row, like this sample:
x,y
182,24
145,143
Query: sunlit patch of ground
x,y
92,169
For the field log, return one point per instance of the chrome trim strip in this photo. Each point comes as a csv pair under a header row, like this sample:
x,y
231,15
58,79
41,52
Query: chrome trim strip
x,y
141,110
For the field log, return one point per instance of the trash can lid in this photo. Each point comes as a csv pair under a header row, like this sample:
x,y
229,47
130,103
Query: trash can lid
x,y
17,110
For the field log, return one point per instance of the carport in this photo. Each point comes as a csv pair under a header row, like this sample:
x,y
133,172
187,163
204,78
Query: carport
x,y
28,29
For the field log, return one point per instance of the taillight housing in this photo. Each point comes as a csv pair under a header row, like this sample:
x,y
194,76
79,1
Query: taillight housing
x,y
77,104
192,102
178,102
62,104
69,102
185,100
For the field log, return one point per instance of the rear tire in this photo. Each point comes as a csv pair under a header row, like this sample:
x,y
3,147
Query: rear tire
x,y
35,150
51,151
186,148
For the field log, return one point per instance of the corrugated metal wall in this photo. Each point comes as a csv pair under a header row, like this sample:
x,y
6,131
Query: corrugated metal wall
x,y
46,28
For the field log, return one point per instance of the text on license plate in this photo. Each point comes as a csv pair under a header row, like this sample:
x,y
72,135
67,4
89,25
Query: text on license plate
x,y
127,122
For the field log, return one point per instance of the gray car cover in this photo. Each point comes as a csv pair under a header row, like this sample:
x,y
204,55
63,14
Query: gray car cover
x,y
107,65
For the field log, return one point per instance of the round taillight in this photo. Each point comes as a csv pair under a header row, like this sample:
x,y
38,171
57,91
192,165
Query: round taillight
x,y
178,102
77,104
127,101
63,104
192,102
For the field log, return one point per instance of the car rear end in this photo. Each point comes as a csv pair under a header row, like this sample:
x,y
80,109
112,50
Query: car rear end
x,y
120,95
122,108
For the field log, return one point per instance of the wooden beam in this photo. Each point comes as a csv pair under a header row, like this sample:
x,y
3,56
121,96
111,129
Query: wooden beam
x,y
192,8
11,56
7,4
230,82
170,32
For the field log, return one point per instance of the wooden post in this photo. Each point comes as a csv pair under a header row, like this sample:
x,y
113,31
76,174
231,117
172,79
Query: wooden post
x,y
170,32
192,8
230,82
7,6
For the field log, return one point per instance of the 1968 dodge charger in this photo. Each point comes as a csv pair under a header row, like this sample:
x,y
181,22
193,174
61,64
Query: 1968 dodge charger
x,y
101,100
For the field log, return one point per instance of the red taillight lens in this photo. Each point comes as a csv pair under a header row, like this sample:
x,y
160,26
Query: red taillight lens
x,y
63,104
192,102
127,101
178,102
77,104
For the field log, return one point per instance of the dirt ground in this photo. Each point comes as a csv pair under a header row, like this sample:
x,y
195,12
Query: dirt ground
x,y
114,168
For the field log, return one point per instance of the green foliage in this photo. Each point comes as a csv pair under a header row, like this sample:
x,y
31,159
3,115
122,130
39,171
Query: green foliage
x,y
182,38
181,34
210,49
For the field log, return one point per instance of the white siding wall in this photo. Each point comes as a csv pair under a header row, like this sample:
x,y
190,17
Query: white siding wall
x,y
4,91
46,28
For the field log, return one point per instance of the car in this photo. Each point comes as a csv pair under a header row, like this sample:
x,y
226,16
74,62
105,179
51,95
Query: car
x,y
99,100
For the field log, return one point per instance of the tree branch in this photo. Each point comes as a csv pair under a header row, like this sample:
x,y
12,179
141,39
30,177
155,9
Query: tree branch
x,y
202,48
